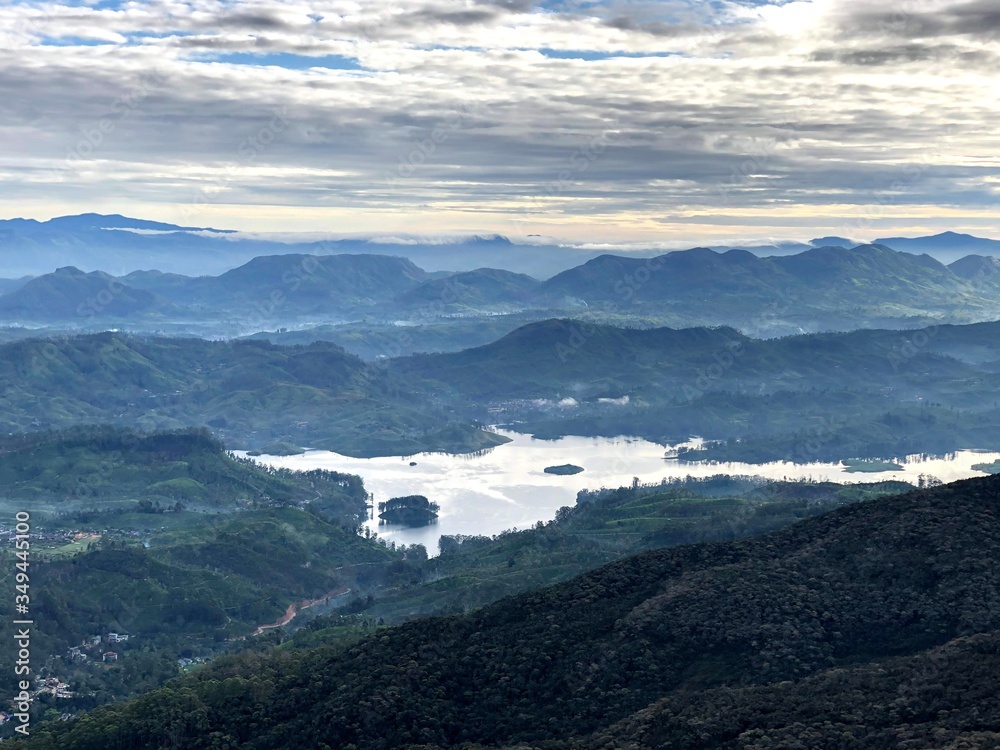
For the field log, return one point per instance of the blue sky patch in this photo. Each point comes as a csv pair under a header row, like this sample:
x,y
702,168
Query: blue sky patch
x,y
284,60
74,41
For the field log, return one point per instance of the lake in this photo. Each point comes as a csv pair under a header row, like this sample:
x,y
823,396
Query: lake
x,y
506,487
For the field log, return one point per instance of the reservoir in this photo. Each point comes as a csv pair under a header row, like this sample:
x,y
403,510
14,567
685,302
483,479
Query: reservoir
x,y
507,487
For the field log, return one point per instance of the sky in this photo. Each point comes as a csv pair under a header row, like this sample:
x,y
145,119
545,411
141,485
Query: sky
x,y
615,120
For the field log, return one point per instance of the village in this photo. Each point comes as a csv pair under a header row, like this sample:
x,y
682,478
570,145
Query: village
x,y
94,648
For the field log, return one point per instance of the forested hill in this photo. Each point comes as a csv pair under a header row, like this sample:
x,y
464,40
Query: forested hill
x,y
690,647
248,392
858,394
561,357
105,467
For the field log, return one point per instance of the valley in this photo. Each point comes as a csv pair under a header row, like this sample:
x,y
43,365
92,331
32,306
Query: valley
x,y
283,479
499,375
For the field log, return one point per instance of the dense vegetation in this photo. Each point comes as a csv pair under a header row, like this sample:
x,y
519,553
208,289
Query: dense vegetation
x,y
410,510
692,647
250,393
606,525
801,398
84,470
168,538
873,626
809,397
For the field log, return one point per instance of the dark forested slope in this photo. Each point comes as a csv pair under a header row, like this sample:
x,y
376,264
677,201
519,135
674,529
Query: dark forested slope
x,y
878,580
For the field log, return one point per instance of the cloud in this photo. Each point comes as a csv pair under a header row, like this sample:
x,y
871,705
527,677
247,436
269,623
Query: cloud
x,y
614,117
906,53
928,20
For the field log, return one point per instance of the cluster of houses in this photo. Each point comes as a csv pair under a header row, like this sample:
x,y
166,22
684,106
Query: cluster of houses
x,y
66,537
184,663
7,534
43,686
52,686
92,647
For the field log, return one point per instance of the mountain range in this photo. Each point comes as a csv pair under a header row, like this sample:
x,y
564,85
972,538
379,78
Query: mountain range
x,y
119,245
823,396
866,393
829,287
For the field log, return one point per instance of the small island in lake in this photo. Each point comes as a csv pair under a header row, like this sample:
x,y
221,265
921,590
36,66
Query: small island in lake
x,y
564,469
870,465
412,510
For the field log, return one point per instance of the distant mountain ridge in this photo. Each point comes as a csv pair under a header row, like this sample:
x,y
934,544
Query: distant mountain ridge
x,y
69,294
833,286
483,287
947,246
822,278
735,287
119,245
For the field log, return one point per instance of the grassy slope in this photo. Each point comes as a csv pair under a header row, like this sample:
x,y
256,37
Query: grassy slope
x,y
97,468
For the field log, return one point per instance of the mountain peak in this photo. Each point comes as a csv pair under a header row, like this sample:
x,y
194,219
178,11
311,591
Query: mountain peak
x,y
69,271
833,241
955,235
91,221
491,239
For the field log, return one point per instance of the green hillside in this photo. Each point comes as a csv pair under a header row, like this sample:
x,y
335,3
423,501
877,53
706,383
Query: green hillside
x,y
845,395
71,296
607,525
166,537
249,392
864,595
107,468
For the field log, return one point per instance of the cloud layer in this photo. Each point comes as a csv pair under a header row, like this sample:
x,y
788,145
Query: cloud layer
x,y
600,120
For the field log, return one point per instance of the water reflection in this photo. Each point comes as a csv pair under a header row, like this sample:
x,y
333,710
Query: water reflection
x,y
506,487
